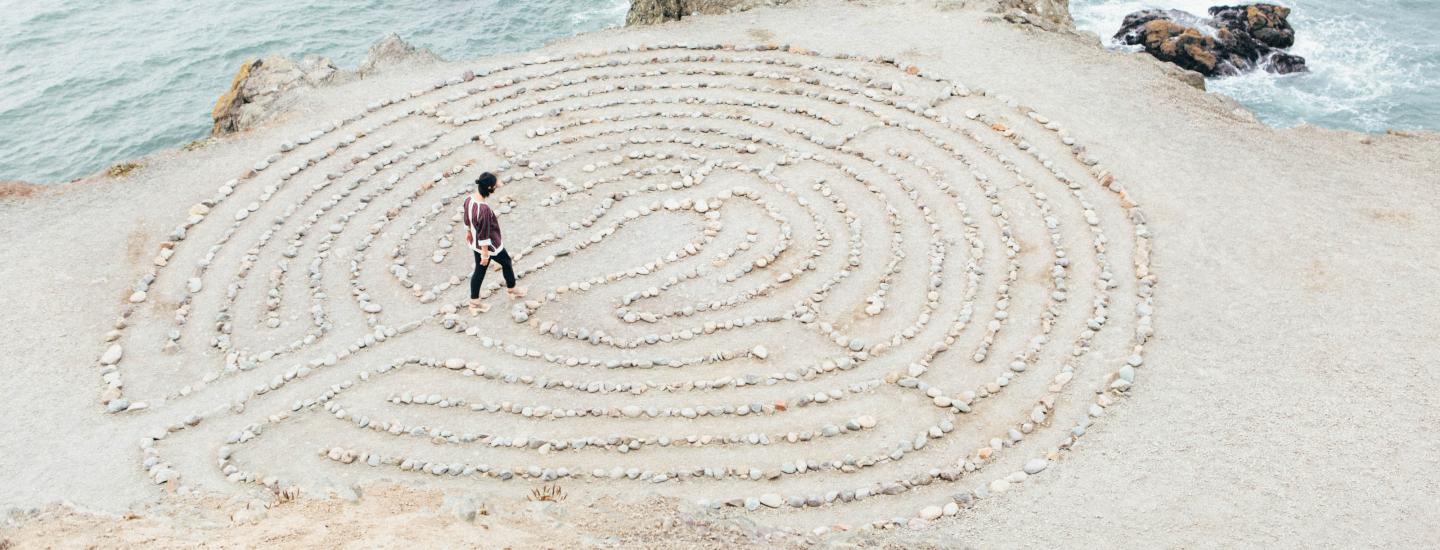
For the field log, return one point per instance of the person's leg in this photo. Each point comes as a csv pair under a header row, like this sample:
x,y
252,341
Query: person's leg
x,y
477,278
506,268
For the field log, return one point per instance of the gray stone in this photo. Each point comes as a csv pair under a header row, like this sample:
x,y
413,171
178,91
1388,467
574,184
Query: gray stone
x,y
1036,465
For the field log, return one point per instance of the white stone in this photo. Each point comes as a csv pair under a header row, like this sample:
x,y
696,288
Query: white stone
x,y
112,355
772,500
760,352
1036,465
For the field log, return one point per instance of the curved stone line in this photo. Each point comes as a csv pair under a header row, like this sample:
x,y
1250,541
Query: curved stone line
x,y
938,130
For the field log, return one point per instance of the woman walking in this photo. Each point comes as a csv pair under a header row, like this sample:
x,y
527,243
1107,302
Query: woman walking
x,y
482,233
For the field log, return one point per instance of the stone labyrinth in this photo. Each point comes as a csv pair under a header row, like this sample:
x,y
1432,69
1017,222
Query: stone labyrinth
x,y
820,289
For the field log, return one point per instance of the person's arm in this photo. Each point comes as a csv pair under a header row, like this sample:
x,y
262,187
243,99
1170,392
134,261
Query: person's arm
x,y
487,229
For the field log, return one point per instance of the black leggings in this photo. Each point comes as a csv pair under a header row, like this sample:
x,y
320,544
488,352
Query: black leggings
x,y
478,278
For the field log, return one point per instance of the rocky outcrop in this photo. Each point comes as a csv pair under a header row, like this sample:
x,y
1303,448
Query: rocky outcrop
x,y
261,87
264,87
392,51
1234,39
650,12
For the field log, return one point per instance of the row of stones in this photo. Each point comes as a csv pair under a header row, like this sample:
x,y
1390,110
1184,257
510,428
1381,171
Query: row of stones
x,y
1118,381
328,403
198,213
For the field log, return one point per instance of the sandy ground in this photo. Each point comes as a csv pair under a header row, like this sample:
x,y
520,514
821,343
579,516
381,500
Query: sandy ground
x,y
1284,401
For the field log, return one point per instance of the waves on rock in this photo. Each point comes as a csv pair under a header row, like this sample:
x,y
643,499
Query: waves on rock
x,y
1234,39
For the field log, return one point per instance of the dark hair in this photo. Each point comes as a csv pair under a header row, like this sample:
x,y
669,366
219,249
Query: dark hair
x,y
486,183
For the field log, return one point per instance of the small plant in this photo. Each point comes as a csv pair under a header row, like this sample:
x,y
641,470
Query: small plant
x,y
121,170
288,494
547,493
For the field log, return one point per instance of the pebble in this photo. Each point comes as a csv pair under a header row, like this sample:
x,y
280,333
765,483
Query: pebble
x,y
112,355
1036,465
771,500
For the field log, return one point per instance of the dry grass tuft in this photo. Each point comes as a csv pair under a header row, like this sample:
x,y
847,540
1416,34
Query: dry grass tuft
x,y
198,144
121,170
288,494
547,493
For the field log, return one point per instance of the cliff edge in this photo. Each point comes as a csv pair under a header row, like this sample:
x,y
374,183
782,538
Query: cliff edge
x,y
1048,14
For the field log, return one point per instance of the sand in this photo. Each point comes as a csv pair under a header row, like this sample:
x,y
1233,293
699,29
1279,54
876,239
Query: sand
x,y
1281,400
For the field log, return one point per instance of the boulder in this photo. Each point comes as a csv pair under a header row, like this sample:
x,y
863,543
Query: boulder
x,y
1046,14
1234,39
262,88
393,51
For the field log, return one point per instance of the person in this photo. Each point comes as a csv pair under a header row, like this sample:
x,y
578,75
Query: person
x,y
482,233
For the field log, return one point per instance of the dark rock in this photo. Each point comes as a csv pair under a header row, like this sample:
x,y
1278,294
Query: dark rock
x,y
1234,39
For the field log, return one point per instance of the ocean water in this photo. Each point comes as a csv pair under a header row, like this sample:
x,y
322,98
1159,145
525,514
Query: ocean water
x,y
1374,64
87,83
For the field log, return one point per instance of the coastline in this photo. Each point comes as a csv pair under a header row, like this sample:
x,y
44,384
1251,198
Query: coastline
x,y
392,52
1253,255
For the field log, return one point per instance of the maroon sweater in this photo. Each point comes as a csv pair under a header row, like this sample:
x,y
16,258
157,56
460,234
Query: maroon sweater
x,y
482,228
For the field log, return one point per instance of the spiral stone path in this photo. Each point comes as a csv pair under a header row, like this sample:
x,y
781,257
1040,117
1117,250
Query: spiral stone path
x,y
819,289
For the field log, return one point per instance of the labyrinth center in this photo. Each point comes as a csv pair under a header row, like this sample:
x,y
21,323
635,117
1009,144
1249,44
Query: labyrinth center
x,y
814,288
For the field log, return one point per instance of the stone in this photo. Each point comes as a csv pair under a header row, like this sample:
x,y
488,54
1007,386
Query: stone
x,y
1036,465
760,352
771,500
112,355
392,51
931,513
